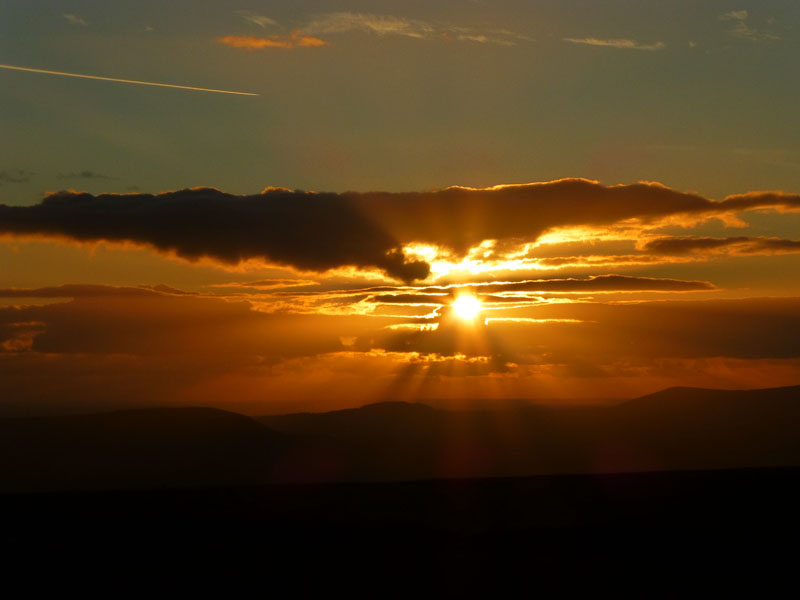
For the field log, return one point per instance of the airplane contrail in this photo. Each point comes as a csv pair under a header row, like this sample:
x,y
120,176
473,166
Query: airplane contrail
x,y
167,85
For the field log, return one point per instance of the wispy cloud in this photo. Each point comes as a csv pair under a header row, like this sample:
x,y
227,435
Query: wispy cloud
x,y
735,15
15,176
74,19
341,22
256,19
383,25
295,39
118,80
617,43
267,284
83,175
742,29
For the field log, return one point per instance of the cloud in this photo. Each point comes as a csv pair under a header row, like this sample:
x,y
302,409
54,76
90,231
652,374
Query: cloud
x,y
439,295
73,290
601,261
735,15
256,19
16,176
166,289
318,232
749,328
83,175
762,199
18,336
294,40
460,217
742,29
384,25
600,333
147,322
739,245
342,22
617,43
74,19
416,299
267,284
598,283
314,232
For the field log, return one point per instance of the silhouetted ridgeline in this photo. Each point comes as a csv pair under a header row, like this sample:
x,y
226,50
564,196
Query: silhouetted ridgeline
x,y
676,429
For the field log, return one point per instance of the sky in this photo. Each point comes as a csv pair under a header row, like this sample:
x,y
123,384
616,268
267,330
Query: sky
x,y
279,206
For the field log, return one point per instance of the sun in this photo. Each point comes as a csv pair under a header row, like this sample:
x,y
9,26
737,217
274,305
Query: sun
x,y
467,307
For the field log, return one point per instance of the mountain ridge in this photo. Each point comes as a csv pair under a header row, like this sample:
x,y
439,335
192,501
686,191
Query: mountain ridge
x,y
677,428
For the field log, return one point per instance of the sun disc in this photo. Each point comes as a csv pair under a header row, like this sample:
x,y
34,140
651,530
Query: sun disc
x,y
467,307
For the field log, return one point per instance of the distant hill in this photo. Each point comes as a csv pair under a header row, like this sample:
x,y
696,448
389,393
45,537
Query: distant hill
x,y
392,418
135,448
677,428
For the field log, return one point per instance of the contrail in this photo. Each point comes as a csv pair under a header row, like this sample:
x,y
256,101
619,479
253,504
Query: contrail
x,y
167,85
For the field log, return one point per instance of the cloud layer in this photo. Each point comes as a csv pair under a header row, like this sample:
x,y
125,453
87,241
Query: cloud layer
x,y
107,347
322,231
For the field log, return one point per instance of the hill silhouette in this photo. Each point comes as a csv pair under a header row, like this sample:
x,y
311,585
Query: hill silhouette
x,y
134,449
677,428
675,398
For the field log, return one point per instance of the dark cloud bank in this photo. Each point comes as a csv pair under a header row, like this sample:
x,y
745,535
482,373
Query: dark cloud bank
x,y
740,245
321,231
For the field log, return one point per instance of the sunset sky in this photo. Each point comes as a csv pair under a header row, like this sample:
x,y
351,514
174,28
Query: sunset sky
x,y
280,206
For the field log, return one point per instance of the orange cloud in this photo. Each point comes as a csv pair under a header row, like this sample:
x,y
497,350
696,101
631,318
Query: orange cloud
x,y
116,346
294,40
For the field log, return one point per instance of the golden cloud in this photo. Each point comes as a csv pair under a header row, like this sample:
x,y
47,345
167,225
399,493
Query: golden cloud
x,y
294,40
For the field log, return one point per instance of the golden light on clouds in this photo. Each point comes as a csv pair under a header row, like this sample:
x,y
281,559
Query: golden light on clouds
x,y
568,281
294,40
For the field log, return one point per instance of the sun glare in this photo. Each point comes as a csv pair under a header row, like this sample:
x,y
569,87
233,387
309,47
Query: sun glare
x,y
467,307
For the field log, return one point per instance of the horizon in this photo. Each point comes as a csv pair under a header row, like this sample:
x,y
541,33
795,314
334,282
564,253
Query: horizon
x,y
457,405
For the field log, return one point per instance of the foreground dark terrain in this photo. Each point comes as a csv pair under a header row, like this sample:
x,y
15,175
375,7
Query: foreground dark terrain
x,y
387,496
469,537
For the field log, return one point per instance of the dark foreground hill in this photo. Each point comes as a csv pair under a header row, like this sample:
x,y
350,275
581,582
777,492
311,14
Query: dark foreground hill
x,y
452,538
181,507
679,428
